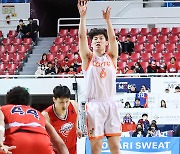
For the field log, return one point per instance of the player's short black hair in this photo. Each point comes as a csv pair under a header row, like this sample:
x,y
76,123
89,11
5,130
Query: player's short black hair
x,y
61,92
18,96
20,20
98,31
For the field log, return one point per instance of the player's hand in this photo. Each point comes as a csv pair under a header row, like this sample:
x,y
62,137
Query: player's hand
x,y
7,149
106,14
79,133
82,7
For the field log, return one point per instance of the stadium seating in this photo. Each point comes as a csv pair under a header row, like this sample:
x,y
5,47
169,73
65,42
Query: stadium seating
x,y
165,31
144,31
155,31
124,32
134,32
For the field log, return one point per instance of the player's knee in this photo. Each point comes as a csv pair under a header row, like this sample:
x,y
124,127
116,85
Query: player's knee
x,y
114,147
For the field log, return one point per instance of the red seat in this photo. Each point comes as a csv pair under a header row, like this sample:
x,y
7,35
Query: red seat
x,y
76,40
135,57
79,69
157,56
148,48
121,65
60,57
126,127
124,32
162,39
170,48
63,32
145,57
155,31
17,59
178,47
12,34
7,41
12,67
175,31
22,49
165,31
133,39
5,58
167,56
11,49
151,39
58,41
141,39
138,48
2,50
159,48
134,31
11,72
131,64
50,57
3,67
69,41
17,41
124,57
122,38
74,49
73,32
177,55
173,39
27,41
54,49
144,65
144,31
70,56
64,48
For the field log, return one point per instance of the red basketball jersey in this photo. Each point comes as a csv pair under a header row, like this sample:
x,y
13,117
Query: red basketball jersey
x,y
21,117
66,127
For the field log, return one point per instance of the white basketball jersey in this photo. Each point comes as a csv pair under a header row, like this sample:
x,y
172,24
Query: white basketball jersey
x,y
100,77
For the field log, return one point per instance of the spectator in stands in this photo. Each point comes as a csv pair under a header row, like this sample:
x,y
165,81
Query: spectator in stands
x,y
32,30
44,60
139,68
76,61
173,66
137,103
127,105
119,46
144,122
127,46
127,118
152,67
139,131
133,89
57,65
162,68
21,29
50,70
126,68
143,96
163,104
167,90
177,132
153,131
132,70
71,70
118,71
41,70
177,89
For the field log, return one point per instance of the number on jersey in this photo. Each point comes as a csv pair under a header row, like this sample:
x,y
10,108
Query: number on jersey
x,y
19,110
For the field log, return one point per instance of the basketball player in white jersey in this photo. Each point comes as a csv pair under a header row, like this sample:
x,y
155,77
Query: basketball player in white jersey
x,y
99,67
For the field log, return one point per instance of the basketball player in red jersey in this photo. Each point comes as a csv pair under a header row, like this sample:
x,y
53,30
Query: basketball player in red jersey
x,y
26,128
99,69
63,117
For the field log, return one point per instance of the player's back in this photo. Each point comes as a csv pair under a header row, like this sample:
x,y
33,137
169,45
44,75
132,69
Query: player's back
x,y
25,129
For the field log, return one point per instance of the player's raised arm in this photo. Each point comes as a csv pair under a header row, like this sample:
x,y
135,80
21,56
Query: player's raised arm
x,y
83,42
56,140
113,46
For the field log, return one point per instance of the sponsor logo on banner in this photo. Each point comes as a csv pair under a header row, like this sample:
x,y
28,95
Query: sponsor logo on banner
x,y
124,84
144,145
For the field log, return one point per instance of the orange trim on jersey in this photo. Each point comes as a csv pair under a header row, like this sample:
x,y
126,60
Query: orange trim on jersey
x,y
96,137
115,66
114,134
89,62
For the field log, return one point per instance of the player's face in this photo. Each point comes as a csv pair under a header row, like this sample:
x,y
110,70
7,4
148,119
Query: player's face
x,y
99,43
61,103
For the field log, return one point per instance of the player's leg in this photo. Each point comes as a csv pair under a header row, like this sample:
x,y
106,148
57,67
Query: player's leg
x,y
96,146
114,144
